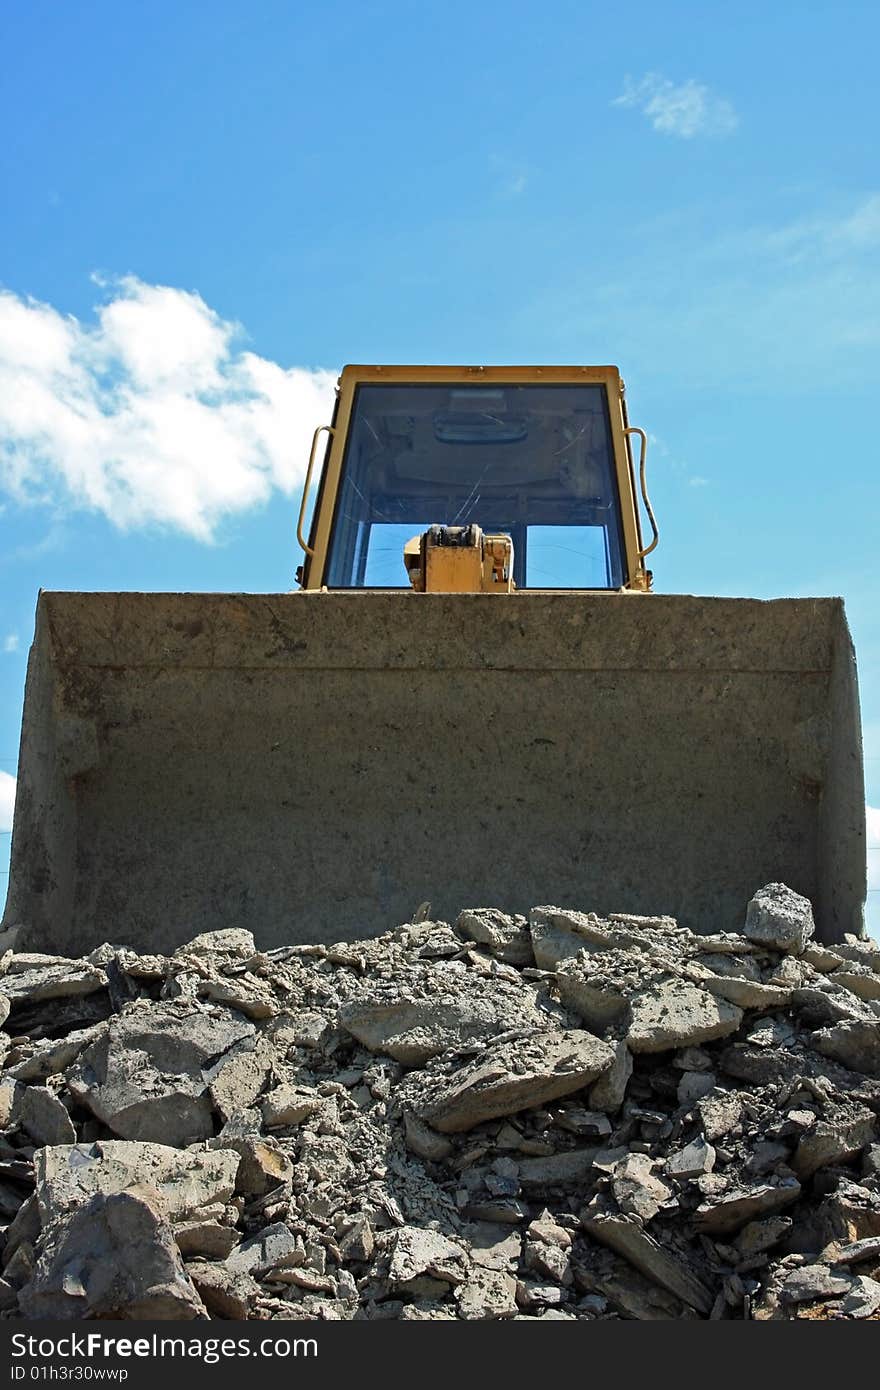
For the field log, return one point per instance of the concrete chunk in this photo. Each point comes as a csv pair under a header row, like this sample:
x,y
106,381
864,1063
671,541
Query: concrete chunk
x,y
531,1072
628,1239
694,1159
731,1210
415,1252
115,1257
44,1118
276,1246
838,1137
637,1189
68,1176
412,1029
609,1092
229,941
813,1282
779,917
505,936
144,1076
487,1294
558,935
679,1014
862,1299
53,980
855,1043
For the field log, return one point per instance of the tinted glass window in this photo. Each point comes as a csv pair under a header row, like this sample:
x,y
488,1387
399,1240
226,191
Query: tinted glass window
x,y
534,461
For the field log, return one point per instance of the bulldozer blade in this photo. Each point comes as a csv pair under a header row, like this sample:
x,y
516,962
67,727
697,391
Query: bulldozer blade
x,y
311,766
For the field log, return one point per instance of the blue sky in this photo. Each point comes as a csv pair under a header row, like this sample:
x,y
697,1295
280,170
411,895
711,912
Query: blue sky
x,y
210,208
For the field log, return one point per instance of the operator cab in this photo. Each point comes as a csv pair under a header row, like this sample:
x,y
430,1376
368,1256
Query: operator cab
x,y
537,455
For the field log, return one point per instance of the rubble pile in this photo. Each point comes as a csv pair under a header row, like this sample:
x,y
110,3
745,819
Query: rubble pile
x,y
565,1117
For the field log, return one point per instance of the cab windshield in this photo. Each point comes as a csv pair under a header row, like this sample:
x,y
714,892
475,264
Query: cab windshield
x,y
535,461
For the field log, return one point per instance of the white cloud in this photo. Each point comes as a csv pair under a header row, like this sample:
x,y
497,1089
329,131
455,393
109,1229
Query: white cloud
x,y
7,800
745,314
837,236
872,814
684,109
152,414
10,642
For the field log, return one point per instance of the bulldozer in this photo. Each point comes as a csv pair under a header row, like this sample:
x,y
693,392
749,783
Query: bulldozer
x,y
473,698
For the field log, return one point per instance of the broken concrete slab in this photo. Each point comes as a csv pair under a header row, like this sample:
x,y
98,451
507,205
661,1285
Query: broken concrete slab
x,y
812,1282
144,1077
853,1253
287,1105
548,1261
10,1099
24,1228
50,979
599,988
274,1247
822,1005
647,996
415,1252
558,935
388,1018
569,1168
859,948
856,1044
238,1078
720,1113
424,1141
356,1240
586,1124
679,1014
208,1240
625,1292
693,1086
252,997
545,1229
747,994
859,979
506,937
731,1208
758,1236
51,1056
838,1137
232,941
69,1176
262,1166
531,1071
862,1299
627,1238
